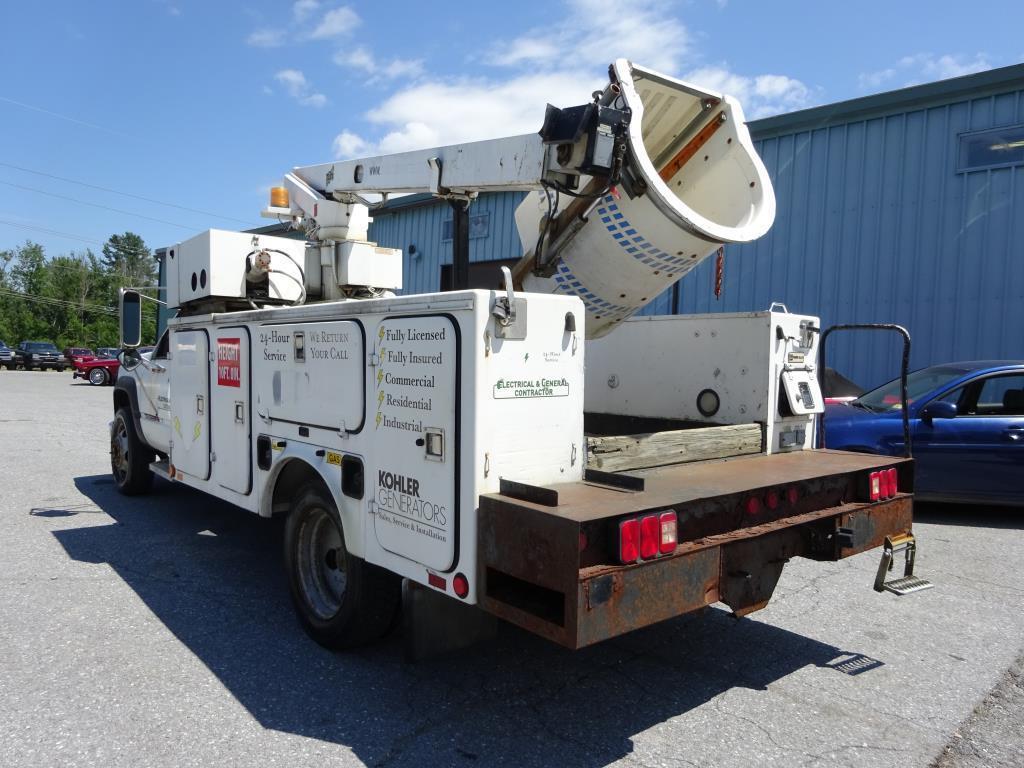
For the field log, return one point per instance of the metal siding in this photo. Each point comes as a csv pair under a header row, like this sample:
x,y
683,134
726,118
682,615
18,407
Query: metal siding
x,y
874,224
422,226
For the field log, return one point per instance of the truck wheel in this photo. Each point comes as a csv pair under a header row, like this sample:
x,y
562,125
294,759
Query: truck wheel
x,y
129,458
98,377
342,601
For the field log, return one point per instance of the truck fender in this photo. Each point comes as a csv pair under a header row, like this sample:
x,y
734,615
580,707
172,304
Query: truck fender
x,y
294,470
126,395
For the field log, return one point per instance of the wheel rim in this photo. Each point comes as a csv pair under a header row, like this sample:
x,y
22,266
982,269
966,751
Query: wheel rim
x,y
321,563
97,376
119,451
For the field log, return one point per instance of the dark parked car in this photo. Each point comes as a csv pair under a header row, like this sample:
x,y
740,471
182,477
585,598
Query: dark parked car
x,y
966,427
39,354
6,357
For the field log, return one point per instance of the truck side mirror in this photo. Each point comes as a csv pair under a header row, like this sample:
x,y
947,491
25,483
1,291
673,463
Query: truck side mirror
x,y
938,410
130,312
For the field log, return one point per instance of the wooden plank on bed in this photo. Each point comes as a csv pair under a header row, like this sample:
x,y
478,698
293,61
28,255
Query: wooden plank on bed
x,y
615,453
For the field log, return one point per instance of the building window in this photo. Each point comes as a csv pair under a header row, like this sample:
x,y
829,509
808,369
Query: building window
x,y
991,149
479,226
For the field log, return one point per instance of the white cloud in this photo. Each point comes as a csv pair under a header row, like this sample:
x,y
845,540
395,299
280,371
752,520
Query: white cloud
x,y
299,88
348,145
266,38
561,63
302,9
336,23
361,59
760,95
644,30
923,67
437,113
304,25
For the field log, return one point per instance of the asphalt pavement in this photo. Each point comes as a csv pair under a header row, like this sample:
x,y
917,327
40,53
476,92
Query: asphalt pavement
x,y
157,631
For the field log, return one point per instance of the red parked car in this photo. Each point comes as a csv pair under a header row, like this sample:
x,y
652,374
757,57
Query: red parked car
x,y
97,370
103,370
77,355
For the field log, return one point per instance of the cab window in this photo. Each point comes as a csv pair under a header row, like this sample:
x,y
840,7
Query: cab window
x,y
160,353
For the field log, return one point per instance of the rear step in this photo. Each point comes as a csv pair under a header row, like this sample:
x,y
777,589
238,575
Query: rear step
x,y
908,582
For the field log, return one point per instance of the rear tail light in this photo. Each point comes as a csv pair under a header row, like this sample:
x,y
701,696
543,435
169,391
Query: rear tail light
x,y
629,541
883,484
650,537
752,505
771,500
669,533
792,494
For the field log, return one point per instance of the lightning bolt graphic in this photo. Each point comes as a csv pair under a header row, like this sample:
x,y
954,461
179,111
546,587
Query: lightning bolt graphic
x,y
379,417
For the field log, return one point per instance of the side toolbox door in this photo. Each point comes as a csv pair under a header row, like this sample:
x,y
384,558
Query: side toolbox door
x,y
414,420
190,403
230,416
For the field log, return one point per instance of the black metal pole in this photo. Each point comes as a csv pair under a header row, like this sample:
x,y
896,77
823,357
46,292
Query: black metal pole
x,y
905,364
460,244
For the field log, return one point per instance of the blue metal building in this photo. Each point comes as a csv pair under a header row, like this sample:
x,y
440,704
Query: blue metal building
x,y
903,207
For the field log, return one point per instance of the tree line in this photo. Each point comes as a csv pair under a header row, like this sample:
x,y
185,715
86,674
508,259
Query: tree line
x,y
71,298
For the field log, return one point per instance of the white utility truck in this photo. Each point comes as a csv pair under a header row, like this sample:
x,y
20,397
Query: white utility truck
x,y
528,449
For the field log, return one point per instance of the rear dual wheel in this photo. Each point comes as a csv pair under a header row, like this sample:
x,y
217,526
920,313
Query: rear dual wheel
x,y
342,601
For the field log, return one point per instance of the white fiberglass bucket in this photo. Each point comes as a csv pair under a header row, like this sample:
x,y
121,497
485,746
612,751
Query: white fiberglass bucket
x,y
705,186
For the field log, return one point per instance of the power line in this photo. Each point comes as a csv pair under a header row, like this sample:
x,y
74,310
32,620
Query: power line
x,y
66,117
125,194
61,303
68,235
97,205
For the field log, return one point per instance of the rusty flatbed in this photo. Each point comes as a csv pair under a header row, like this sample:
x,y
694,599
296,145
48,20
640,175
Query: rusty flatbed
x,y
547,558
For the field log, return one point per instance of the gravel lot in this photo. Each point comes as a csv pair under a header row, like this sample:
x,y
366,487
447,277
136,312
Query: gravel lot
x,y
158,632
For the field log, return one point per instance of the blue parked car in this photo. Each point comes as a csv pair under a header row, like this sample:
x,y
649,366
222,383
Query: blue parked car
x,y
966,428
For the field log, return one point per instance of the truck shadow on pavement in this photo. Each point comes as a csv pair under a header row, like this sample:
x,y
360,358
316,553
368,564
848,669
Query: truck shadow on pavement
x,y
214,576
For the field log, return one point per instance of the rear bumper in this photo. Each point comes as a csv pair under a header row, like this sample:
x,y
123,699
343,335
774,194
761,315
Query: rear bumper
x,y
530,570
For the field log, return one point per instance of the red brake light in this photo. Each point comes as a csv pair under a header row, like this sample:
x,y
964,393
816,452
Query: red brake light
x,y
650,537
629,541
893,482
875,486
793,494
460,585
772,499
669,533
753,505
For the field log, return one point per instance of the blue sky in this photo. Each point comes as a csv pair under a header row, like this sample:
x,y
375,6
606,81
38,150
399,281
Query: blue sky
x,y
199,107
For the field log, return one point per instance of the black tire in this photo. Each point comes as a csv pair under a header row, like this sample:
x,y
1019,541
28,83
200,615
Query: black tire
x,y
98,377
129,458
341,600
60,369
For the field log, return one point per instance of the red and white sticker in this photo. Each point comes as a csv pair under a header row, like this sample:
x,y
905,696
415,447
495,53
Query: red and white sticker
x,y
229,362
